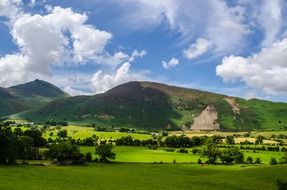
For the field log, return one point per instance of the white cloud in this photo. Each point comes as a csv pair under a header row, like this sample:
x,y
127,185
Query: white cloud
x,y
9,8
118,58
101,81
266,70
88,42
268,17
43,42
170,64
214,20
200,47
137,54
74,92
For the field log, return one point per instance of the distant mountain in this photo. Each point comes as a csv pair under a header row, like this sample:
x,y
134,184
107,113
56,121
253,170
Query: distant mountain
x,y
148,105
28,96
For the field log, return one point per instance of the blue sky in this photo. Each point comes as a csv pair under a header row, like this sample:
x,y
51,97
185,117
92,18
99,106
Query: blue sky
x,y
236,47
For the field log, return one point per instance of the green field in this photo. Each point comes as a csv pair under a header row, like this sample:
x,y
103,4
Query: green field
x,y
84,132
140,177
145,155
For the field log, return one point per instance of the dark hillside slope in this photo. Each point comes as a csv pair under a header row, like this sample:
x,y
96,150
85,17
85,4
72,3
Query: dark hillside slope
x,y
28,96
149,105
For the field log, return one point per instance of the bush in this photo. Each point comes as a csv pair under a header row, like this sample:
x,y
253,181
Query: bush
x,y
210,151
195,151
169,149
273,161
105,152
62,133
199,161
182,150
231,155
249,160
88,157
257,161
282,185
65,153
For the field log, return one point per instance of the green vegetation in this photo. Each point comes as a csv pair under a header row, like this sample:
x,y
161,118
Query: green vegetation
x,y
153,106
27,96
144,155
141,176
85,132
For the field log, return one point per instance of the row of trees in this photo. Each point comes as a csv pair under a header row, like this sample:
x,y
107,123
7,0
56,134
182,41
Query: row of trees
x,y
19,145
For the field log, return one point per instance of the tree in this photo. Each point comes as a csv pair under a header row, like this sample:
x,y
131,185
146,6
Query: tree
x,y
249,160
105,152
36,134
62,133
65,152
282,185
257,161
210,151
88,157
273,161
259,139
230,155
230,140
8,146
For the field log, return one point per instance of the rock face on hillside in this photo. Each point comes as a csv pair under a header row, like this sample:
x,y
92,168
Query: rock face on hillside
x,y
232,102
207,120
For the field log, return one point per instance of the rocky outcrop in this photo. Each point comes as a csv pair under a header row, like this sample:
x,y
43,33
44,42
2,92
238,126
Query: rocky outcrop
x,y
207,120
232,102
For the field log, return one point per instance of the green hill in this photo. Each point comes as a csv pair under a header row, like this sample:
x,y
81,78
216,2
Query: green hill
x,y
148,105
27,96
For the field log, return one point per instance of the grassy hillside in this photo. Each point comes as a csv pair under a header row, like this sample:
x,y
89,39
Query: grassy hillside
x,y
141,177
27,96
148,105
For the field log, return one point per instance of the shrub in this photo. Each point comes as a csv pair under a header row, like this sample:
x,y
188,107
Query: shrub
x,y
210,151
230,140
195,151
230,155
88,157
182,150
105,152
199,161
249,160
64,152
169,149
257,161
273,161
62,133
282,185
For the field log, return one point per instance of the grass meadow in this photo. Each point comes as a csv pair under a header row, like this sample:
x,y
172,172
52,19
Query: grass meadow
x,y
141,177
142,154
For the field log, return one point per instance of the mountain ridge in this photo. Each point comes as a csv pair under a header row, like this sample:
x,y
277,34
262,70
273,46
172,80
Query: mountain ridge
x,y
150,105
27,96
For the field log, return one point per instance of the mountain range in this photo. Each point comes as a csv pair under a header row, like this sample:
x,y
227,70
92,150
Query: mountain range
x,y
143,105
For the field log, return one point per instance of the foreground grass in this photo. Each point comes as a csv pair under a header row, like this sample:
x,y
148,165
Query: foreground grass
x,y
140,177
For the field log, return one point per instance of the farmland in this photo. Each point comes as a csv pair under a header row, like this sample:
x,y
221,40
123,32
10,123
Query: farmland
x,y
140,177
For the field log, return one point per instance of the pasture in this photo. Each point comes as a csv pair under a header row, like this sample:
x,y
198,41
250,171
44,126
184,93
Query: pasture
x,y
84,132
142,154
141,177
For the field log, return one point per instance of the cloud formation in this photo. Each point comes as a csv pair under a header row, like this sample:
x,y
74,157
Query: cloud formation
x,y
101,81
173,62
266,70
43,43
200,47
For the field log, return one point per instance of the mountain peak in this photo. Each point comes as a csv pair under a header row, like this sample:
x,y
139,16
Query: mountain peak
x,y
38,88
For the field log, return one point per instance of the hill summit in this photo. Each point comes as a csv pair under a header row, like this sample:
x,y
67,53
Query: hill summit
x,y
150,105
28,96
